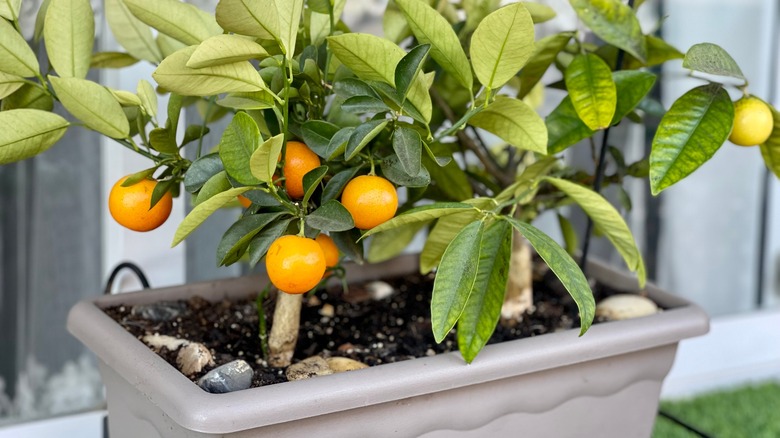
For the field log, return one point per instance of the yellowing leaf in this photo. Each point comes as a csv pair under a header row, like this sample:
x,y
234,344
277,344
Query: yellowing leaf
x,y
502,44
514,122
249,17
592,90
28,132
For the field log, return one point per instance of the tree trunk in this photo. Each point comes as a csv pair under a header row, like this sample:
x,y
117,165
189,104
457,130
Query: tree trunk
x,y
284,332
519,293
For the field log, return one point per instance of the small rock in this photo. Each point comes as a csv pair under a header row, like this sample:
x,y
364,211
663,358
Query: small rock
x,y
159,312
233,376
313,301
625,306
346,348
429,352
340,364
307,368
192,358
379,290
158,341
327,310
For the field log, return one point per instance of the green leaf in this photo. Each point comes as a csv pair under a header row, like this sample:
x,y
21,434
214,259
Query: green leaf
x,y
349,87
409,68
317,135
9,84
18,58
336,185
260,243
689,134
712,59
225,49
770,149
247,101
606,218
131,33
445,230
373,58
391,243
570,238
168,46
331,216
161,141
407,145
455,279
28,96
423,214
263,161
429,27
201,170
539,12
564,268
249,17
9,9
632,86
174,75
262,198
202,211
112,60
338,144
40,19
592,90
362,136
214,186
28,132
364,104
347,242
394,171
502,44
101,112
239,141
613,22
289,12
160,189
181,21
148,97
193,132
311,181
515,122
236,239
138,177
483,308
545,52
69,33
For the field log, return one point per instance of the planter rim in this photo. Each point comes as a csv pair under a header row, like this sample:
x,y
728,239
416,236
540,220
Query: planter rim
x,y
191,407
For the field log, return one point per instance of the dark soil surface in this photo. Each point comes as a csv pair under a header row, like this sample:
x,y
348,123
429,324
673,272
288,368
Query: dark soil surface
x,y
370,331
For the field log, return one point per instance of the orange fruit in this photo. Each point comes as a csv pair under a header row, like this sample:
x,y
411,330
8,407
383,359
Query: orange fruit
x,y
329,249
295,264
244,201
371,200
129,206
298,161
753,122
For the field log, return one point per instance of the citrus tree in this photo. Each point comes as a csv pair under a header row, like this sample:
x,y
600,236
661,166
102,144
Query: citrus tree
x,y
327,127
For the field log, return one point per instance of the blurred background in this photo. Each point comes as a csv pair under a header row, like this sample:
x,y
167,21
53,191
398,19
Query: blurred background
x,y
714,239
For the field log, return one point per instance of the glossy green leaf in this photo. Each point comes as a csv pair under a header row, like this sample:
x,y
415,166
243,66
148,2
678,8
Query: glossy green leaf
x,y
317,135
455,279
394,171
174,75
336,184
260,243
483,308
262,163
225,49
236,239
160,189
694,128
201,170
181,21
18,58
501,45
430,27
515,122
614,22
606,218
364,104
331,216
445,230
9,9
131,33
202,211
338,144
349,87
564,267
28,132
289,12
239,141
112,60
9,84
592,90
215,185
311,181
349,245
391,243
632,86
69,33
362,136
255,18
425,213
407,145
101,112
408,68
545,52
711,58
148,97
770,149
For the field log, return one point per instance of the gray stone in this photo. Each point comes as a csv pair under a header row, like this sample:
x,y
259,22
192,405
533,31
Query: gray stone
x,y
159,312
233,376
307,368
192,358
625,306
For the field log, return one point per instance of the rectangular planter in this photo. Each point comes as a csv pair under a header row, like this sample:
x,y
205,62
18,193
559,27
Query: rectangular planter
x,y
604,384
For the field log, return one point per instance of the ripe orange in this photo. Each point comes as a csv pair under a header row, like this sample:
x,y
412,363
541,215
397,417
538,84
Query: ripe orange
x,y
298,161
244,201
753,122
129,206
295,264
329,249
371,200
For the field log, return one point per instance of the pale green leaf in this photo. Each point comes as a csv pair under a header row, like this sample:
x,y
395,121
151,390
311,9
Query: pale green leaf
x,y
545,52
225,49
28,96
539,12
216,184
770,149
111,60
515,122
711,58
614,22
477,10
501,45
319,26
174,75
255,18
126,98
179,20
9,84
167,45
28,132
148,97
425,213
289,12
131,33
247,101
592,90
694,128
101,112
17,57
391,243
263,161
40,19
203,210
429,27
69,33
9,9
239,141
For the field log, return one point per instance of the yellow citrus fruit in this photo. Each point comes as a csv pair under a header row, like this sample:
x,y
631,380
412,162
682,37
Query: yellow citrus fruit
x,y
295,264
753,122
244,201
298,161
371,200
129,206
329,249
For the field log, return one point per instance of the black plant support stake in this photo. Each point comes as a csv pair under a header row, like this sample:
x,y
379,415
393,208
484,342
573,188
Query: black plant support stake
x,y
125,265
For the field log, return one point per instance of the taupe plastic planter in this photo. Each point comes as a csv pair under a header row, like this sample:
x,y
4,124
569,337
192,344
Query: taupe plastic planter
x,y
604,384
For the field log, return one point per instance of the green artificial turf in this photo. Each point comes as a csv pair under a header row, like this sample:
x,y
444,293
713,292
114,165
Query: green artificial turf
x,y
746,412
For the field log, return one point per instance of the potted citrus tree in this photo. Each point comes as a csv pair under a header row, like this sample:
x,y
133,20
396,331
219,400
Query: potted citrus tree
x,y
327,127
